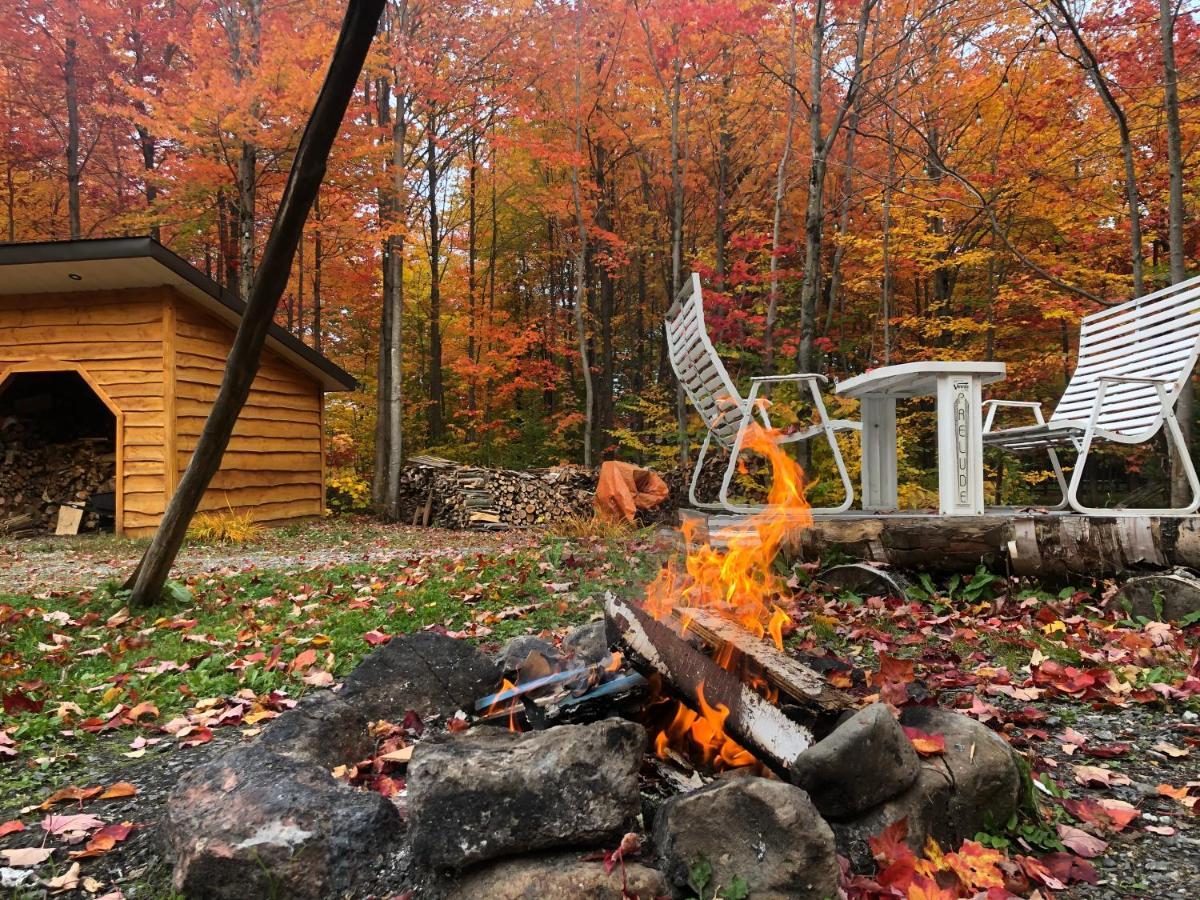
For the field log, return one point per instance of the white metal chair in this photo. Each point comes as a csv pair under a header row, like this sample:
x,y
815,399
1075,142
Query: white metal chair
x,y
1132,360
727,415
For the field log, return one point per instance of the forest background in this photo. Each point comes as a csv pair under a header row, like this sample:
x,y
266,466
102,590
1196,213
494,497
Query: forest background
x,y
519,190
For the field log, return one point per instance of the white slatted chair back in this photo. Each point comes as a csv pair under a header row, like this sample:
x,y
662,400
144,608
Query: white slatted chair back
x,y
699,368
1156,336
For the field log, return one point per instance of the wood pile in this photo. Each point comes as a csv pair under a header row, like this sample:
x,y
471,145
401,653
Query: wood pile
x,y
37,477
436,491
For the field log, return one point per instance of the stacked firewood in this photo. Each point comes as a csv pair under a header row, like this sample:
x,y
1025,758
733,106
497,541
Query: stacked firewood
x,y
37,477
436,491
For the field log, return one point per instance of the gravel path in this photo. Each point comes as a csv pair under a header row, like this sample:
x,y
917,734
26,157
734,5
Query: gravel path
x,y
38,565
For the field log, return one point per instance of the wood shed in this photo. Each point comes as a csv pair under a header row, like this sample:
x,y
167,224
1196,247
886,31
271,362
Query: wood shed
x,y
122,341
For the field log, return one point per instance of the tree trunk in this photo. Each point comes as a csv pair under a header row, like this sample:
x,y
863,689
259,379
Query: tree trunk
x,y
436,400
780,193
308,169
70,61
1091,65
318,252
1180,489
677,244
581,256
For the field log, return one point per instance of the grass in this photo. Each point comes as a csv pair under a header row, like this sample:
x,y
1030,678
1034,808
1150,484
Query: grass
x,y
80,654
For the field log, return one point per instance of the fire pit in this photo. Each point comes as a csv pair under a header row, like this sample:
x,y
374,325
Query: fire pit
x,y
676,742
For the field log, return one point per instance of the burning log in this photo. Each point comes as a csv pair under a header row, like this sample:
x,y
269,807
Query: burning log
x,y
751,719
801,685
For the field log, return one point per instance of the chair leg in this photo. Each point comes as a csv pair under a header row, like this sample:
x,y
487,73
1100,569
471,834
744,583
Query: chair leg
x,y
831,436
734,452
699,468
1058,474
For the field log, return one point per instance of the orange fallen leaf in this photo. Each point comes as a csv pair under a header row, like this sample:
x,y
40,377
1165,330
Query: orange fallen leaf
x,y
104,840
120,789
924,743
72,793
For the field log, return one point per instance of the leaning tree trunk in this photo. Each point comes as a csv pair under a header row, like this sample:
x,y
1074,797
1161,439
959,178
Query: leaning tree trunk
x,y
308,169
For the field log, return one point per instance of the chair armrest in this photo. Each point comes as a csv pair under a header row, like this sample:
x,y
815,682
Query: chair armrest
x,y
1130,379
1023,404
798,376
992,405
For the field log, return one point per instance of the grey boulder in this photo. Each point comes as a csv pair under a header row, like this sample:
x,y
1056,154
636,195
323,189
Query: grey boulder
x,y
764,832
487,793
865,761
250,823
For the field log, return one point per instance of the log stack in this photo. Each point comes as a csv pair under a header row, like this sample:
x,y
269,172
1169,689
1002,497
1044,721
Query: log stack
x,y
436,491
37,477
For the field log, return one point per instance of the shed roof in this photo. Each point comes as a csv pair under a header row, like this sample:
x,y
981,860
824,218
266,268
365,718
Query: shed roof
x,y
102,264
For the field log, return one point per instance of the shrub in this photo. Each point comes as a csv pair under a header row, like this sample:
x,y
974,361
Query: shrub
x,y
223,528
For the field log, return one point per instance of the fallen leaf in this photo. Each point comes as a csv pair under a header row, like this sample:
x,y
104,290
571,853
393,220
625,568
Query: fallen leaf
x,y
1086,775
11,827
403,755
119,789
20,857
1164,830
72,793
926,744
67,881
1078,840
64,824
104,840
1170,750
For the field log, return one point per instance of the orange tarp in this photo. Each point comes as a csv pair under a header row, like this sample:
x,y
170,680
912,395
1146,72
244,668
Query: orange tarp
x,y
624,488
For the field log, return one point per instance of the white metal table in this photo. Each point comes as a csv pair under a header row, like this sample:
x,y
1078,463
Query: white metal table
x,y
958,387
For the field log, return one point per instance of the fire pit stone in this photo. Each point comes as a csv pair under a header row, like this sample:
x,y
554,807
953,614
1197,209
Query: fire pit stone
x,y
488,793
981,766
924,805
766,832
864,762
556,876
250,823
515,652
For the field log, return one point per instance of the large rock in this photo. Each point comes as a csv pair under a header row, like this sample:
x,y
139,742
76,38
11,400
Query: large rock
x,y
1169,596
766,832
925,805
487,793
428,673
865,761
981,767
562,876
250,823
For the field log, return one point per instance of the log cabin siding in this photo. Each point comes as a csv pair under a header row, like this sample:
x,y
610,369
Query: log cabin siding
x,y
273,465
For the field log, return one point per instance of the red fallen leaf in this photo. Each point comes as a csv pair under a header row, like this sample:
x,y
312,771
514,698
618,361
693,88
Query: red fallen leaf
x,y
1038,871
17,702
412,723
924,743
896,670
11,827
376,637
201,735
897,862
923,888
1086,845
1108,814
630,846
1086,775
386,785
62,824
455,725
1106,751
72,793
104,840
1067,867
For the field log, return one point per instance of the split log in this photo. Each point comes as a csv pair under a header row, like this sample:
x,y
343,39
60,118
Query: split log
x,y
653,647
1046,545
795,681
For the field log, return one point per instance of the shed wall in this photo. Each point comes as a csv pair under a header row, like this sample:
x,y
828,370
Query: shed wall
x,y
273,467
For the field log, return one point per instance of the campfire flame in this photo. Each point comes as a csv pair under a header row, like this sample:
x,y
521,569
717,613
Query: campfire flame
x,y
738,583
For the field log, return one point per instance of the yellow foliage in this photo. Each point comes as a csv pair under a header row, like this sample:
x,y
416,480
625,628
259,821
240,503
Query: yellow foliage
x,y
590,528
349,490
223,528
